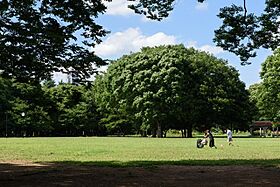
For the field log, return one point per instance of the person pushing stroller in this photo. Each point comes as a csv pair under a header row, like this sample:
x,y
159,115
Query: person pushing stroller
x,y
211,139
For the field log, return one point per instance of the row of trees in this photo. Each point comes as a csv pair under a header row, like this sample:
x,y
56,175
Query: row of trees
x,y
149,92
47,110
38,38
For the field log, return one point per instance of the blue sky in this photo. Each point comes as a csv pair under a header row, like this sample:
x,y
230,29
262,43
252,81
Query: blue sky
x,y
190,23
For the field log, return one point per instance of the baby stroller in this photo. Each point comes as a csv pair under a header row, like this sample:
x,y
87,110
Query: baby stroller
x,y
201,142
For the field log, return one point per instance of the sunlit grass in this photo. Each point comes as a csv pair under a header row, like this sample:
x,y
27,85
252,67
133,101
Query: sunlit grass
x,y
138,151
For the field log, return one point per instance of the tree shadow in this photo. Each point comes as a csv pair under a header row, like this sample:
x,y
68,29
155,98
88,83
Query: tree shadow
x,y
145,163
141,173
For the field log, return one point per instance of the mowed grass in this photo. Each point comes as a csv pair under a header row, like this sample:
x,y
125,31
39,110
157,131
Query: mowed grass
x,y
118,151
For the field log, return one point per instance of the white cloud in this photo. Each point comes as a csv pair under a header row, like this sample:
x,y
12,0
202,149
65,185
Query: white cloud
x,y
208,48
211,49
118,7
131,40
201,6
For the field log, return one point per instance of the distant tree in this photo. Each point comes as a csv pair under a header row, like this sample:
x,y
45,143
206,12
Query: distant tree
x,y
47,110
27,113
268,92
114,118
64,103
5,94
92,126
254,91
5,98
38,38
72,111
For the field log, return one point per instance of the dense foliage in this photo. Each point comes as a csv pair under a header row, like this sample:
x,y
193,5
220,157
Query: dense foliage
x,y
241,33
171,87
267,93
47,110
148,93
39,37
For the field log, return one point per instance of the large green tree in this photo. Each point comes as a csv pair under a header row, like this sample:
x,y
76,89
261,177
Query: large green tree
x,y
172,87
220,96
146,86
39,37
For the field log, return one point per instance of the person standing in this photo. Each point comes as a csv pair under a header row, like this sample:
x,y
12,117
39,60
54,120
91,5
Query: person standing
x,y
229,137
211,139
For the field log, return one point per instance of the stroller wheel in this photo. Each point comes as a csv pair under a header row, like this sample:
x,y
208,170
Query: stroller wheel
x,y
199,143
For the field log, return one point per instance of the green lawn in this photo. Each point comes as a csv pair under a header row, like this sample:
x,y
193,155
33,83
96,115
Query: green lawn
x,y
117,151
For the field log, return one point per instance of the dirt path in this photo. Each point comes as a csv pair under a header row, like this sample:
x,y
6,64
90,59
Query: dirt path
x,y
28,174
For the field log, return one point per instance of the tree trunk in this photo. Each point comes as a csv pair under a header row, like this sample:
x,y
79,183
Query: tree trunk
x,y
144,133
159,131
185,132
189,132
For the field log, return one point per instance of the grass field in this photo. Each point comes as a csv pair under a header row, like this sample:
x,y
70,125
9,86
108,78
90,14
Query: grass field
x,y
117,151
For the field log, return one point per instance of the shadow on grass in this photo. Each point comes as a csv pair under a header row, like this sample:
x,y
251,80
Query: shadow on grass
x,y
138,173
225,162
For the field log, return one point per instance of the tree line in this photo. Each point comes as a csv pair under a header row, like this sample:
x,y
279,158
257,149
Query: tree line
x,y
147,93
47,110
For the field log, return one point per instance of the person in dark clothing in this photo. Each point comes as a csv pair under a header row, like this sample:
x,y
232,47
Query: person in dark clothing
x,y
211,139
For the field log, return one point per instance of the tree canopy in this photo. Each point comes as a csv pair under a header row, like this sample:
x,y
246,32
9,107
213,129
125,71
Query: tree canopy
x,y
39,37
47,110
172,87
241,33
267,93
